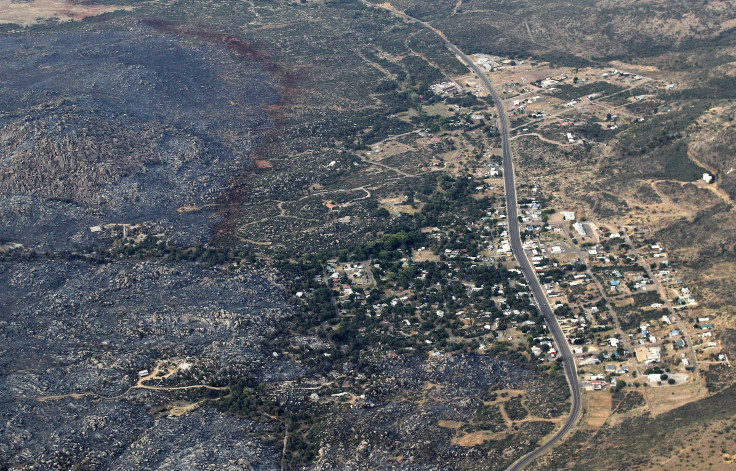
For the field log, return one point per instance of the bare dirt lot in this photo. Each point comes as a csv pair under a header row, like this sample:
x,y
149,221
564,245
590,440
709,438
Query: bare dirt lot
x,y
26,13
664,399
599,409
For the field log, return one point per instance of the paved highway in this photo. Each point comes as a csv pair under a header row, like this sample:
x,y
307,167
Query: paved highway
x,y
512,216
512,213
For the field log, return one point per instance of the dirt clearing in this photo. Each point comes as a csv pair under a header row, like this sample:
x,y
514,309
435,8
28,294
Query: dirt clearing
x,y
476,438
27,13
667,398
599,409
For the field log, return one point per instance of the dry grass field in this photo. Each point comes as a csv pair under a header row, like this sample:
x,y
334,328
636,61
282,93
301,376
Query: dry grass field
x,y
26,13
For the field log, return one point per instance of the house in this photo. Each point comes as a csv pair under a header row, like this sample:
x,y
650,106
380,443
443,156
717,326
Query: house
x,y
654,353
580,229
568,215
707,177
648,354
142,373
445,88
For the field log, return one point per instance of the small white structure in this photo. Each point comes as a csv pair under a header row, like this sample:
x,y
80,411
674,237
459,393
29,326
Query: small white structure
x,y
707,177
569,215
142,373
580,230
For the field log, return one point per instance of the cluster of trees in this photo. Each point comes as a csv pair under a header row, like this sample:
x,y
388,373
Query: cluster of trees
x,y
247,398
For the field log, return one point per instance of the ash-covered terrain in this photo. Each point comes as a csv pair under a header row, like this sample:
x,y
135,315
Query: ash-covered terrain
x,y
123,127
418,434
75,335
109,321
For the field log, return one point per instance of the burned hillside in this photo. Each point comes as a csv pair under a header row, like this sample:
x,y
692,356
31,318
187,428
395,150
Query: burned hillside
x,y
76,337
152,128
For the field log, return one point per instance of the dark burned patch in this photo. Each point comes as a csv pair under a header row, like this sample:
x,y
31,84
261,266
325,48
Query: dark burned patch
x,y
231,201
109,322
150,124
241,47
